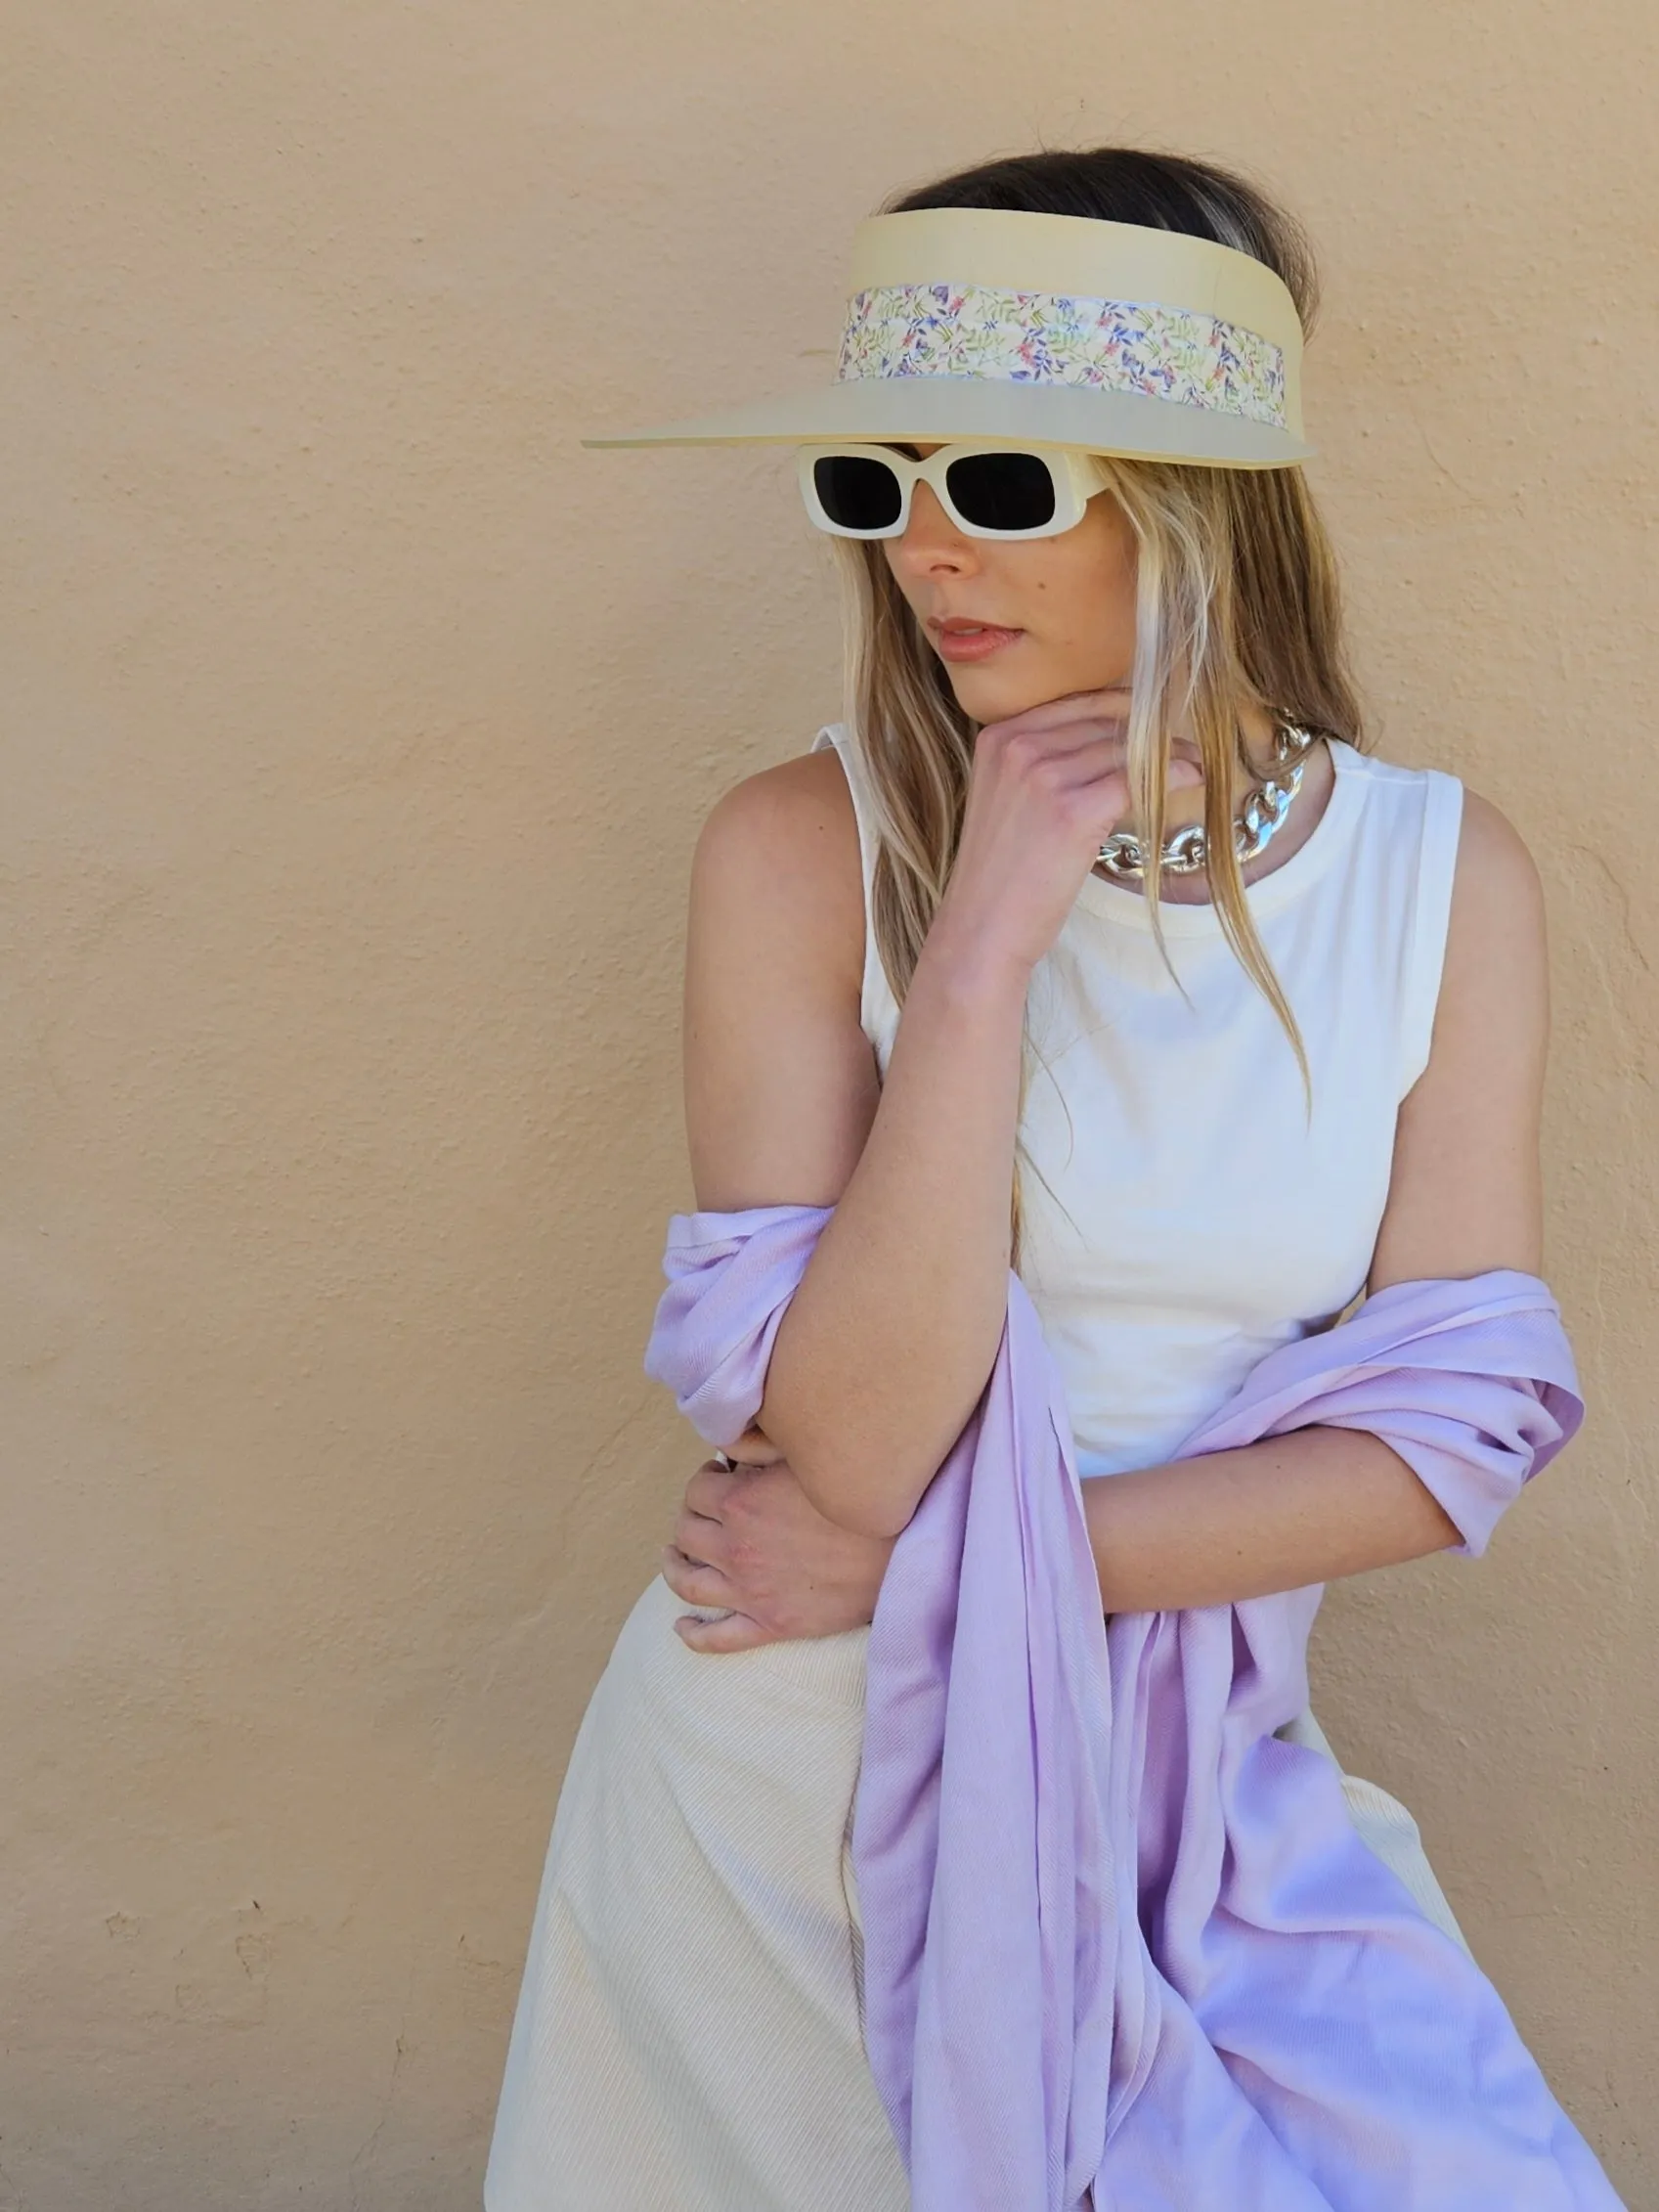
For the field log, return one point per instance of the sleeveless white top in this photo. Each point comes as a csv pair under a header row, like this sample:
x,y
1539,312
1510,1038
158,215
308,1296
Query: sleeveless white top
x,y
691,2008
1183,1214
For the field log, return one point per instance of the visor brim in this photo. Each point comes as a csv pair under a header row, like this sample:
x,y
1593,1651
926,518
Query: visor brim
x,y
905,410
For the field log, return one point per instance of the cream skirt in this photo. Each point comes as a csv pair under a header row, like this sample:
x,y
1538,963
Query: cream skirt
x,y
688,2033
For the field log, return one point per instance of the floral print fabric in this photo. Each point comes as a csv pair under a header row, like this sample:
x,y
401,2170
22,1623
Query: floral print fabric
x,y
1168,353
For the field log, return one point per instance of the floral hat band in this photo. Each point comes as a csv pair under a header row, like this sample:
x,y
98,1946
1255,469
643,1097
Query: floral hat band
x,y
1173,354
1046,330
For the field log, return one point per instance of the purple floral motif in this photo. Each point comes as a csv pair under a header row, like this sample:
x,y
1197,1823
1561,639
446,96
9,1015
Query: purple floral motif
x,y
1167,353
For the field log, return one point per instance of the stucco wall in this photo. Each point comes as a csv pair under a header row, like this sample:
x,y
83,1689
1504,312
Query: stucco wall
x,y
357,725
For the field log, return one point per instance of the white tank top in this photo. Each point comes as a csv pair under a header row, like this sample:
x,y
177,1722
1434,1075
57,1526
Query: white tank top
x,y
1195,1217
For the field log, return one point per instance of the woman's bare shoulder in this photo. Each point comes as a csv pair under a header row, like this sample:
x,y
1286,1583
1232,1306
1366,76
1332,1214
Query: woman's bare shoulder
x,y
1465,1192
1494,859
1495,944
780,1080
778,853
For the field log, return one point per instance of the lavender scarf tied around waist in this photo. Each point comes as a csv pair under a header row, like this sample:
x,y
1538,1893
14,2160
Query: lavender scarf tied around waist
x,y
1117,1933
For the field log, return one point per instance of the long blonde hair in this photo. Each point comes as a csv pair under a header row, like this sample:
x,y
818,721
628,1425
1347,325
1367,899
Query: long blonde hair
x,y
1236,606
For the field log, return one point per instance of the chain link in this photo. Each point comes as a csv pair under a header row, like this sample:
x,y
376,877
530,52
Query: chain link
x,y
1185,850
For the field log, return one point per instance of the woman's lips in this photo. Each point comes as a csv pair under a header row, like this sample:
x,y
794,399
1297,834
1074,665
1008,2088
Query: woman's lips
x,y
960,640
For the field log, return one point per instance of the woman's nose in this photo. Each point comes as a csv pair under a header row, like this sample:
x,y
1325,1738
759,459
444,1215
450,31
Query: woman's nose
x,y
932,543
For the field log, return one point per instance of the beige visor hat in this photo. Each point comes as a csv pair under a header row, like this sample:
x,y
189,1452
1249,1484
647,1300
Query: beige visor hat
x,y
1048,329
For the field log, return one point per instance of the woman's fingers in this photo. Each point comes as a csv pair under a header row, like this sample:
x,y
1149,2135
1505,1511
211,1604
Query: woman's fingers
x,y
707,1587
711,1486
699,1535
693,1579
1093,759
736,1633
1078,735
1085,719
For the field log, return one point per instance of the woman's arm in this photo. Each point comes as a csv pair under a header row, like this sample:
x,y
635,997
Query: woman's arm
x,y
1465,1196
888,1343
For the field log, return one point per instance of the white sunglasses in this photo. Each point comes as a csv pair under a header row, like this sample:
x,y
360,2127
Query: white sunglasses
x,y
988,491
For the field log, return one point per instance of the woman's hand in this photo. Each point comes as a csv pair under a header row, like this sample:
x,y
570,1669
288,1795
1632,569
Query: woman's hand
x,y
1045,791
748,1539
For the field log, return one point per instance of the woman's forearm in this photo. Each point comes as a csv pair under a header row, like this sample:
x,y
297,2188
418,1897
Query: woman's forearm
x,y
888,1343
1308,1507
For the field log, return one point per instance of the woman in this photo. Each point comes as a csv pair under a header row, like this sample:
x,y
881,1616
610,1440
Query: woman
x,y
1202,1107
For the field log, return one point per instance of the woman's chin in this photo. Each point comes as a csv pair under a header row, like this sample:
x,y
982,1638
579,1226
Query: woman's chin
x,y
996,694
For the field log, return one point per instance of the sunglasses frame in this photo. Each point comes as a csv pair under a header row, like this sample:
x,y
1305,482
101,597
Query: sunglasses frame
x,y
1075,474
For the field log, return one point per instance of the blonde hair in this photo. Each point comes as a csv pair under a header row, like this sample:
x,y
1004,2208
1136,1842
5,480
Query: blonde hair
x,y
1236,605
1237,597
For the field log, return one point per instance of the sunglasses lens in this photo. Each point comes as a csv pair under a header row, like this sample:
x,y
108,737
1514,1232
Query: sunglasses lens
x,y
857,491
1002,491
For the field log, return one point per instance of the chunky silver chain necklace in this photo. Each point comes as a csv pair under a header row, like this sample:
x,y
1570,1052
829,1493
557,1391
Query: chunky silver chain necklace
x,y
1184,849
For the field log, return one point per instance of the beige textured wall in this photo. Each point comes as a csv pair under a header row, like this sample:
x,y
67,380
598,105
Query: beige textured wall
x,y
357,727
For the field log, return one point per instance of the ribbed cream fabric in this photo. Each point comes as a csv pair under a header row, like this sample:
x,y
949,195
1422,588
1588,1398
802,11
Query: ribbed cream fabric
x,y
688,2033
